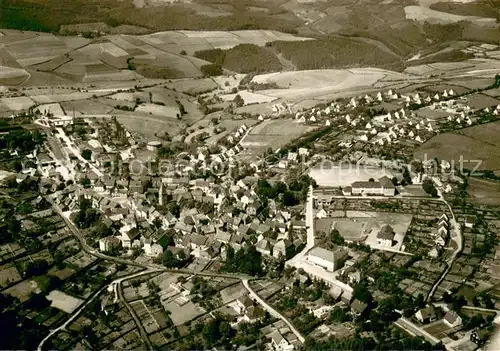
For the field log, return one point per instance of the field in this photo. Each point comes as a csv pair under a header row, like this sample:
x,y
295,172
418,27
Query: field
x,y
473,8
421,13
160,55
437,329
149,126
12,76
192,86
274,134
249,98
184,313
63,301
324,84
478,143
8,275
159,110
483,192
54,109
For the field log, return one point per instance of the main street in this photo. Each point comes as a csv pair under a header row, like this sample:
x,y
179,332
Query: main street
x,y
456,236
299,261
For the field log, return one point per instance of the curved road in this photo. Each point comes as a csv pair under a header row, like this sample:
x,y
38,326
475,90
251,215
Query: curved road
x,y
456,235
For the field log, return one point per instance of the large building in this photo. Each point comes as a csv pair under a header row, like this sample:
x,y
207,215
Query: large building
x,y
329,260
382,187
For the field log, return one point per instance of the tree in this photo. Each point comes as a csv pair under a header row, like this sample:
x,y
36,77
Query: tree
x,y
337,238
362,293
289,199
87,154
429,188
238,100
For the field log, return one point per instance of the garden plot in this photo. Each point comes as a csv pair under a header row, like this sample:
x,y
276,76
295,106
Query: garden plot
x,y
63,301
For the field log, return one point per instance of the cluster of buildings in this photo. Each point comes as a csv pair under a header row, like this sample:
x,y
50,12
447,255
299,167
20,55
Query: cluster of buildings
x,y
441,235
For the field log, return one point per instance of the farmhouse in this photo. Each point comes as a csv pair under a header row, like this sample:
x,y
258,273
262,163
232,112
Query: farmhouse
x,y
329,260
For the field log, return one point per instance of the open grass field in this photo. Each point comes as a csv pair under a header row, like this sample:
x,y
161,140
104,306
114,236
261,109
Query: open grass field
x,y
273,134
8,275
149,126
63,301
483,192
477,143
192,86
487,9
23,289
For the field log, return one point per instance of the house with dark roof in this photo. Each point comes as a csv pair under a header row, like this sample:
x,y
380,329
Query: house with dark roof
x,y
452,319
358,307
385,236
426,315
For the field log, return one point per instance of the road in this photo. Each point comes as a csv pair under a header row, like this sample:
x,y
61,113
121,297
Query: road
x,y
81,308
272,311
300,260
310,230
76,152
140,327
413,329
456,235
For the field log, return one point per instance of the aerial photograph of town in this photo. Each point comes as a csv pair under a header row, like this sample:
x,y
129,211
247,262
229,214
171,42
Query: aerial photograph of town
x,y
270,175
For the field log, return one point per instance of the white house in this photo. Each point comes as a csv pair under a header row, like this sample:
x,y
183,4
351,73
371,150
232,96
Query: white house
x,y
279,343
452,319
329,260
385,236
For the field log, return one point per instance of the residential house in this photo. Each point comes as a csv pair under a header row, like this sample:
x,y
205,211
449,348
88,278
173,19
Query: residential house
x,y
358,307
109,243
283,249
129,236
452,319
264,247
469,222
426,315
279,343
